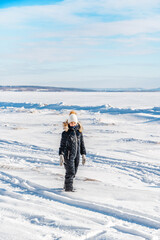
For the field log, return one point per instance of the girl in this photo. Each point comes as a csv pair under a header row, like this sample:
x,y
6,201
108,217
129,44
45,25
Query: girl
x,y
71,146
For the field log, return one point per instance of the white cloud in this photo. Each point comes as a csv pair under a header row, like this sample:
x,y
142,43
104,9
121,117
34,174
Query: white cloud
x,y
130,3
50,36
67,11
128,27
62,13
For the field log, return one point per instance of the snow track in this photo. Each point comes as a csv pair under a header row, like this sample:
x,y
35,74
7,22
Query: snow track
x,y
117,193
91,211
134,168
42,192
96,214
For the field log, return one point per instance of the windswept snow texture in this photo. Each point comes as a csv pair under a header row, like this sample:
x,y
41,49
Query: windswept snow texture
x,y
117,191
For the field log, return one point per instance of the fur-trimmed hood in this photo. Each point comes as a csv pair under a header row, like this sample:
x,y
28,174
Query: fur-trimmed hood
x,y
66,126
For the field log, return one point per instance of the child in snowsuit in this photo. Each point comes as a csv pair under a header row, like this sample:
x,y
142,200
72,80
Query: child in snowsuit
x,y
71,146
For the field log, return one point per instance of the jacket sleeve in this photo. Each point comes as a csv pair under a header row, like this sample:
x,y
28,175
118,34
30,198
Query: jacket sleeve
x,y
63,143
82,147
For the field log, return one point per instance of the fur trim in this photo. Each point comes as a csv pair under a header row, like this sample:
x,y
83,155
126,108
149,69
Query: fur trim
x,y
80,127
66,126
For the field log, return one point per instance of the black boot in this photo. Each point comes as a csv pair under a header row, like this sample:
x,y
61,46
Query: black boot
x,y
70,190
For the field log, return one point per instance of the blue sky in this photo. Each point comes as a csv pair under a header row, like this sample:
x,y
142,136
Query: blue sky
x,y
80,43
18,3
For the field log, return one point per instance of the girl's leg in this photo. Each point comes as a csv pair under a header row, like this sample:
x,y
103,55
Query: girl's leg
x,y
76,164
69,175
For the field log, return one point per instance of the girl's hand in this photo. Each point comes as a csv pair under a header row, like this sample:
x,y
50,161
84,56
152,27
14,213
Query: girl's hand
x,y
83,159
61,160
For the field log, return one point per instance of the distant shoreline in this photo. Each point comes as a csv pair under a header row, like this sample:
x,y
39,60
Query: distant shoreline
x,y
60,89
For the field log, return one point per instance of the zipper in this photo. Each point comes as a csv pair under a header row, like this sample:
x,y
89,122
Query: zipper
x,y
76,142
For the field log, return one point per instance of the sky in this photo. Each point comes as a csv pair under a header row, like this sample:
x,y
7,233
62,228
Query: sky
x,y
80,43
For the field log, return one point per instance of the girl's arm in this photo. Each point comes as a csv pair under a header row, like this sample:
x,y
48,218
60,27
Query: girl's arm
x,y
63,143
82,147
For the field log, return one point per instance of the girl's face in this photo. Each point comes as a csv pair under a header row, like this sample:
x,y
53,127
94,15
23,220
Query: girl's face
x,y
72,124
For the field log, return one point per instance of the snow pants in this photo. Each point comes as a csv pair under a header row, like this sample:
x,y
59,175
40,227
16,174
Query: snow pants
x,y
71,167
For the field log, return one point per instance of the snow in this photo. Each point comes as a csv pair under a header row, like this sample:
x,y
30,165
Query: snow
x,y
117,191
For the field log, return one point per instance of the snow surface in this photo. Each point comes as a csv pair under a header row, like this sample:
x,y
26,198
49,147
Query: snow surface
x,y
118,190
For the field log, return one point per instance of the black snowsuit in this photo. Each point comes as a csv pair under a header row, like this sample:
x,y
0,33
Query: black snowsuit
x,y
71,146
